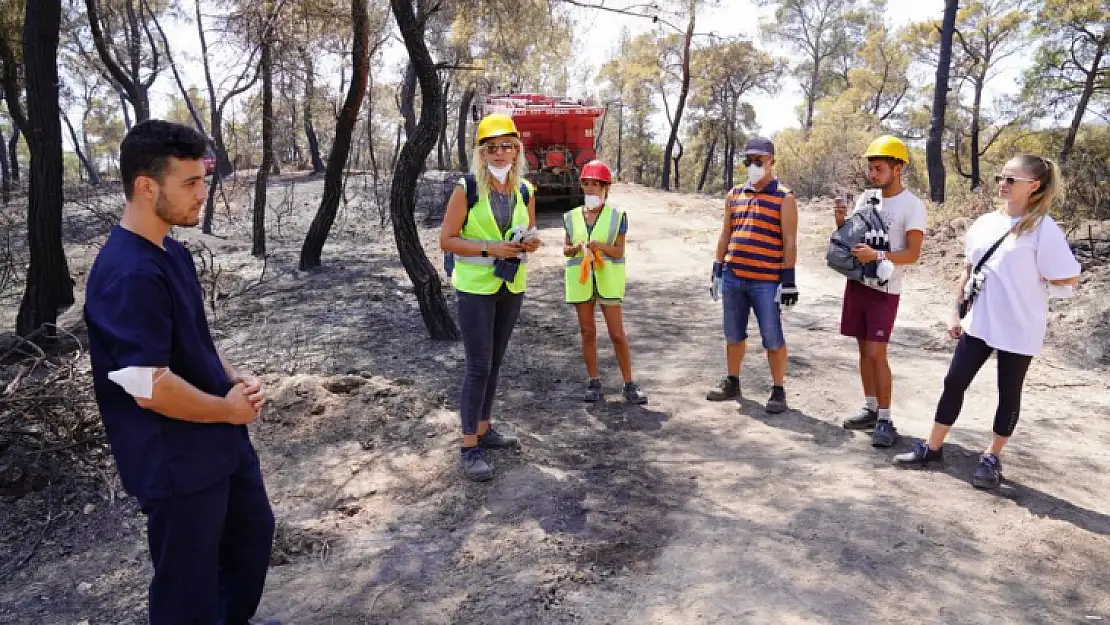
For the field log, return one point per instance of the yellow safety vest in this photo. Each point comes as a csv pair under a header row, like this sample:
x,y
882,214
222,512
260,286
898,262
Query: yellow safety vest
x,y
474,274
609,277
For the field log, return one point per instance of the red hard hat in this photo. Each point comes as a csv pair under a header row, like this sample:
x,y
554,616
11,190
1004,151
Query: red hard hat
x,y
596,170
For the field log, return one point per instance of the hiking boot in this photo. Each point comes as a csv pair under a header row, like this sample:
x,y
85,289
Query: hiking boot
x,y
593,391
474,465
989,472
884,434
920,455
865,419
729,388
493,439
777,403
633,394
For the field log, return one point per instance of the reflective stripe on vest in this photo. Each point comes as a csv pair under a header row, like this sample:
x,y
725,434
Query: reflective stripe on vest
x,y
474,274
610,277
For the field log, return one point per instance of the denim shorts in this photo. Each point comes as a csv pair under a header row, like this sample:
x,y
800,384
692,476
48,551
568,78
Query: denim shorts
x,y
741,296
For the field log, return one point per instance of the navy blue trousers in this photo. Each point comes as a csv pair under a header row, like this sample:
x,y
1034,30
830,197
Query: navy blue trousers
x,y
210,550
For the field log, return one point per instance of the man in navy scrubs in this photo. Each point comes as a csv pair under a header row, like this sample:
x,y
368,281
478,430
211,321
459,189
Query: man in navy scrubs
x,y
175,412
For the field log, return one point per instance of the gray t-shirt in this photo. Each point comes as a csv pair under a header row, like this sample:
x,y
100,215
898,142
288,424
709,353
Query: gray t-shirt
x,y
502,206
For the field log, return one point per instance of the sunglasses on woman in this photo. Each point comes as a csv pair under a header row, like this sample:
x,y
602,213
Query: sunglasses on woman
x,y
1010,180
504,146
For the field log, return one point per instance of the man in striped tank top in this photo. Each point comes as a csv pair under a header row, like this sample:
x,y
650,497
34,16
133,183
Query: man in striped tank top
x,y
754,269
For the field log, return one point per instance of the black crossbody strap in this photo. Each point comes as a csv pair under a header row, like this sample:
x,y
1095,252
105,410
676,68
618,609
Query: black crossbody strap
x,y
986,257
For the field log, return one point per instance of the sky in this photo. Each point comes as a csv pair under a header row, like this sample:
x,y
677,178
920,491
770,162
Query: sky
x,y
600,30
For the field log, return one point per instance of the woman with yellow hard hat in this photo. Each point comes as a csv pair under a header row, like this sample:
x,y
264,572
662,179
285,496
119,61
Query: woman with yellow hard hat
x,y
488,229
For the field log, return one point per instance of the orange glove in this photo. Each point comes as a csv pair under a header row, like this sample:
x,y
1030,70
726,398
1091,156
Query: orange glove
x,y
591,262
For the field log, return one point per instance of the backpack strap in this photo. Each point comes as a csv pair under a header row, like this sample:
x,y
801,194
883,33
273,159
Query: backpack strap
x,y
471,185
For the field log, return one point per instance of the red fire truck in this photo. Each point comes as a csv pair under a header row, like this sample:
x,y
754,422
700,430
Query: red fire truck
x,y
558,137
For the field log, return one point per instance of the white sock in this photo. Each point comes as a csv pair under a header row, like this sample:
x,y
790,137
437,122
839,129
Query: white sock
x,y
884,414
872,403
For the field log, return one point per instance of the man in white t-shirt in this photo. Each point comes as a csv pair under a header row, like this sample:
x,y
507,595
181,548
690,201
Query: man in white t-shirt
x,y
871,306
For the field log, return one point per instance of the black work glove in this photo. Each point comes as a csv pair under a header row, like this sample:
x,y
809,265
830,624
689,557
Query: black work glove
x,y
787,293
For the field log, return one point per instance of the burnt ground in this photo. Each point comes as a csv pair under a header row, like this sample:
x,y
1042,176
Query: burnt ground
x,y
677,512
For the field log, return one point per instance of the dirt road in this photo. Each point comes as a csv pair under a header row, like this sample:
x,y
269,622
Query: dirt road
x,y
678,512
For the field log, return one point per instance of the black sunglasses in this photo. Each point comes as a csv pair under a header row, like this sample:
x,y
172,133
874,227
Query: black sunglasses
x,y
758,160
1010,180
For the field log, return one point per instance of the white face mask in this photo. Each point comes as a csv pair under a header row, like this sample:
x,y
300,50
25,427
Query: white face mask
x,y
755,173
593,201
501,173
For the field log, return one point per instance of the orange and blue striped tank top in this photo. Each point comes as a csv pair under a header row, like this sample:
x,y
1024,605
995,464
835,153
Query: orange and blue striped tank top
x,y
755,251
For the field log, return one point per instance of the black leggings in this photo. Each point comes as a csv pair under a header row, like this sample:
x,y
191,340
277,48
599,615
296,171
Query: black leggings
x,y
486,323
971,354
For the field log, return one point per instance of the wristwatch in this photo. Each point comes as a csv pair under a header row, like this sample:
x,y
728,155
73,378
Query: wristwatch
x,y
485,249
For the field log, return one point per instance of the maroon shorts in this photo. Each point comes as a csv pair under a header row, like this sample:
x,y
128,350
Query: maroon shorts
x,y
867,314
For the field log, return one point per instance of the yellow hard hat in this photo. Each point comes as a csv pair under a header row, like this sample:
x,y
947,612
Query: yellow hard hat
x,y
888,146
496,125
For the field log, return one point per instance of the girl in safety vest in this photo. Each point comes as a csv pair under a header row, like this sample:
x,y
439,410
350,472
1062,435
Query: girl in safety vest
x,y
594,248
488,238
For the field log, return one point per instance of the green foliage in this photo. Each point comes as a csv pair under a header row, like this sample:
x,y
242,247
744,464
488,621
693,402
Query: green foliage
x,y
830,155
1070,34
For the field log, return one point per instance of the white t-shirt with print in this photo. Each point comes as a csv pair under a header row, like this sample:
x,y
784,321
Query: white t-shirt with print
x,y
900,214
1011,310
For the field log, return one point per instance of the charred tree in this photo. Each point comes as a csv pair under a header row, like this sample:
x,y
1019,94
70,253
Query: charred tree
x,y
410,162
934,156
49,287
313,247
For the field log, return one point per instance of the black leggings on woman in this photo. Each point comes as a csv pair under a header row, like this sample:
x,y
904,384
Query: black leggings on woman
x,y
971,355
486,323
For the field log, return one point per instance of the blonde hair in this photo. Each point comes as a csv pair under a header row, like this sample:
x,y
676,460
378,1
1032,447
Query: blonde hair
x,y
1047,173
481,171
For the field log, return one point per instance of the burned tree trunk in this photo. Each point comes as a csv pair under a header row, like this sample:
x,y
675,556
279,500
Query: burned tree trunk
x,y
13,153
402,193
668,152
444,154
94,178
258,231
318,232
934,156
408,100
49,288
5,173
464,115
708,161
131,87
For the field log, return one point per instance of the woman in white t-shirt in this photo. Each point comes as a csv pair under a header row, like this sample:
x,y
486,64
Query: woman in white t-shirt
x,y
1007,312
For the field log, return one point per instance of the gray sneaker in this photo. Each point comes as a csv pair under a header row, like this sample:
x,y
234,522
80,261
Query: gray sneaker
x,y
884,434
593,391
474,465
989,472
633,394
496,440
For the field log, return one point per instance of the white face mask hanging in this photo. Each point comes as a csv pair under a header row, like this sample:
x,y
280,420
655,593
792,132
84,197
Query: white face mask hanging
x,y
501,173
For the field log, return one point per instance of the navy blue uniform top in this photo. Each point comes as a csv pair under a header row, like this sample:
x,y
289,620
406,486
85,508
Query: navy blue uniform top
x,y
144,307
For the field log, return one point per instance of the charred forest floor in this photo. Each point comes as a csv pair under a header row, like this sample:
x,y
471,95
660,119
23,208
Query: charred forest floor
x,y
676,512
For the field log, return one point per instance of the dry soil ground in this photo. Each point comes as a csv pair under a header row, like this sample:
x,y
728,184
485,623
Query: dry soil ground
x,y
678,512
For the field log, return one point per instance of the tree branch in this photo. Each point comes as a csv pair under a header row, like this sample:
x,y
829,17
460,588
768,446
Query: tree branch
x,y
110,64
